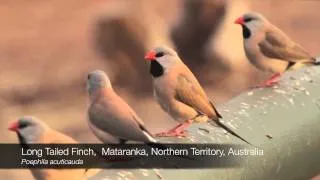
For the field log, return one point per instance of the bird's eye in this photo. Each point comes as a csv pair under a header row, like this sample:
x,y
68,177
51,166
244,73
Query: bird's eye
x,y
23,125
89,75
159,54
248,19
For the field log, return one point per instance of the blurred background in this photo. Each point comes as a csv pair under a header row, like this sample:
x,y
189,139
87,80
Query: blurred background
x,y
47,47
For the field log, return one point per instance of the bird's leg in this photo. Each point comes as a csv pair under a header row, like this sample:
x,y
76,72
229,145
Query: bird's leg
x,y
179,130
274,79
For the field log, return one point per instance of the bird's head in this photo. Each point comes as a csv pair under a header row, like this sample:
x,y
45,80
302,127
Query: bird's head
x,y
29,129
97,79
161,60
251,23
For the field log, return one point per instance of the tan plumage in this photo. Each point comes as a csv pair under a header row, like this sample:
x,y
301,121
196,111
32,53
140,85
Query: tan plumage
x,y
276,45
180,94
268,48
111,119
31,130
189,91
178,91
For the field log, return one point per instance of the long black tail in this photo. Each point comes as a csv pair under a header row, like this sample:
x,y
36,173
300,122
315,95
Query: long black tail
x,y
231,131
219,123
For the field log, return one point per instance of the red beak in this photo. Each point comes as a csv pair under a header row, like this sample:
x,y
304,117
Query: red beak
x,y
14,126
240,20
151,56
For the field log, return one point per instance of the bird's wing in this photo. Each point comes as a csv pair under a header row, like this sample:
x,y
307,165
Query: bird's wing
x,y
140,123
117,119
142,127
55,137
276,45
189,92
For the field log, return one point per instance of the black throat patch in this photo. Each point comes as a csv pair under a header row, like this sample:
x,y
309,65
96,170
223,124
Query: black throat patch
x,y
245,32
22,140
156,69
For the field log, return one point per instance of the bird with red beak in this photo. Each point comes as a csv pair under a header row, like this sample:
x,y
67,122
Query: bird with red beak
x,y
31,130
179,93
269,49
239,20
151,55
13,126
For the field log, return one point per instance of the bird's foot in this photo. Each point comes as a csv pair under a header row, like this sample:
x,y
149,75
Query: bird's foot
x,y
178,131
172,134
274,79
